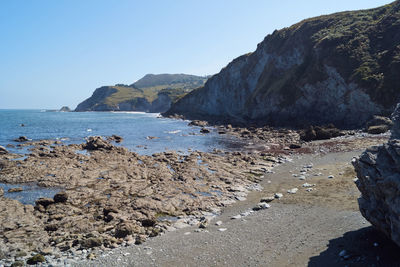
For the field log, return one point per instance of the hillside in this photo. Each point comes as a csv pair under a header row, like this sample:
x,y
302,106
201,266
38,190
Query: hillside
x,y
340,68
152,93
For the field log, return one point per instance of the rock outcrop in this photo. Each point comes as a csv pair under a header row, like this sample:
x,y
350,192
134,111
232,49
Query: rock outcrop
x,y
320,133
112,196
378,125
152,93
3,150
340,68
97,143
378,172
65,109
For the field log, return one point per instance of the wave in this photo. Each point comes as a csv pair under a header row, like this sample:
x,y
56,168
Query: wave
x,y
174,132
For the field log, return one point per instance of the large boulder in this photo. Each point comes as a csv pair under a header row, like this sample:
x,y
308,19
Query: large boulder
x,y
379,120
97,143
378,129
378,172
378,125
320,133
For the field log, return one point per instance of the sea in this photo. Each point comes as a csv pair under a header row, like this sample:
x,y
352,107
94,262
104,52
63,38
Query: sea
x,y
144,133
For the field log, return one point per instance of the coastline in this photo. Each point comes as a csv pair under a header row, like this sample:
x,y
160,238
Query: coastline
x,y
232,178
318,228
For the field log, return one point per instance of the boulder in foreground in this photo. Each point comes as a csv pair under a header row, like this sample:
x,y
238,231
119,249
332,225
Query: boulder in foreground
x,y
378,172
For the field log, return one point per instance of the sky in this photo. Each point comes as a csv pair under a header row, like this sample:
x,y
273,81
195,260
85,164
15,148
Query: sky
x,y
56,53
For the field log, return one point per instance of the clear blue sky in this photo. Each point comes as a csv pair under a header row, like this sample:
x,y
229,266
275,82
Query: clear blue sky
x,y
56,52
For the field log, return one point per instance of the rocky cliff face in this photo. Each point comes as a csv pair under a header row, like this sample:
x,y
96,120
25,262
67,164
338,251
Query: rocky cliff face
x,y
152,93
95,102
378,172
341,69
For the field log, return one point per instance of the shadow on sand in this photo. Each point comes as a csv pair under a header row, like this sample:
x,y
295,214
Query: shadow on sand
x,y
364,247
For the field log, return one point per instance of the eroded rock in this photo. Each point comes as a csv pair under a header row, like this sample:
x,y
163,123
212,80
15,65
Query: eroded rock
x,y
204,130
378,129
378,121
198,123
113,195
60,197
96,143
21,139
44,201
3,150
378,172
15,189
320,133
36,259
116,138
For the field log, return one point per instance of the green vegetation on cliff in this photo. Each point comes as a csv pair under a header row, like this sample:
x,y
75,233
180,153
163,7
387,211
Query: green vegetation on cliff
x,y
340,68
140,95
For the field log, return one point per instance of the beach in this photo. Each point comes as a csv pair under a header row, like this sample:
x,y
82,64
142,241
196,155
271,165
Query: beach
x,y
274,205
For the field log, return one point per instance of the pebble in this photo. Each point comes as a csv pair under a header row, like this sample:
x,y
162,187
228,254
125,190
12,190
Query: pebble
x,y
278,195
331,176
218,223
267,199
236,217
222,229
263,205
309,189
308,185
293,191
245,214
187,233
302,177
240,198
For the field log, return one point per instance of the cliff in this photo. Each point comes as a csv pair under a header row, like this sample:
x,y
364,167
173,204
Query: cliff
x,y
152,93
341,68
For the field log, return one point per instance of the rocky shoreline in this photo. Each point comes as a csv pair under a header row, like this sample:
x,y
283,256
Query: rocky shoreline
x,y
317,227
110,197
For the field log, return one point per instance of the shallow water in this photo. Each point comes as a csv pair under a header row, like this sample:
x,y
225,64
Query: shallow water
x,y
74,127
134,127
31,192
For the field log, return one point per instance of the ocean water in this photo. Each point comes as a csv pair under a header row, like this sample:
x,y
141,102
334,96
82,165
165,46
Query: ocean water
x,y
74,127
31,192
134,127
